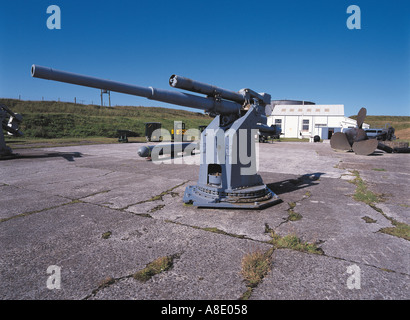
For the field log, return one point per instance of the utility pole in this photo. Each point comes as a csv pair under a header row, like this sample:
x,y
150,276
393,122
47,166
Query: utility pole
x,y
109,97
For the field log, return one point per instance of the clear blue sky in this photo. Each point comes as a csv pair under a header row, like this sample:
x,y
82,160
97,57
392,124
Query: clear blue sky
x,y
290,49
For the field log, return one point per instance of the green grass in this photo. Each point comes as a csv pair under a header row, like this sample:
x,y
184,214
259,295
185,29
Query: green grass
x,y
27,142
401,124
106,235
157,266
255,266
292,242
51,119
368,219
362,193
293,216
397,122
400,230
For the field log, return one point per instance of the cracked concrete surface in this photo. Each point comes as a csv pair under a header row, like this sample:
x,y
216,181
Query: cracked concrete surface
x,y
56,204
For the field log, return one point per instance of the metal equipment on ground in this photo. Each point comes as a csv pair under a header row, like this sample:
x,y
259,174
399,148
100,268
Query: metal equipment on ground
x,y
363,143
228,175
152,131
10,122
178,131
274,133
124,134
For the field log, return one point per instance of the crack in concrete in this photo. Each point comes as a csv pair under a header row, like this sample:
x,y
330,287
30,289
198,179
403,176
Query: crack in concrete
x,y
292,214
24,214
157,197
142,275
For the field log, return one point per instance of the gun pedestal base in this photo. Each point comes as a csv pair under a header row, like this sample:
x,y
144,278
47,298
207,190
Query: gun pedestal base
x,y
257,197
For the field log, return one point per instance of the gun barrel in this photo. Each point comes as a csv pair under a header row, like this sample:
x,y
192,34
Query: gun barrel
x,y
178,98
209,90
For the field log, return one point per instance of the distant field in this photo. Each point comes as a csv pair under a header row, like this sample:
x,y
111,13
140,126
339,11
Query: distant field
x,y
52,119
56,120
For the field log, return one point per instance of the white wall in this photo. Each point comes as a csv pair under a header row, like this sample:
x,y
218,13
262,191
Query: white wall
x,y
322,118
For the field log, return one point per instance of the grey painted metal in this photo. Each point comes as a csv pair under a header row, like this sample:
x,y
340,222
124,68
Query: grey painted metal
x,y
292,102
163,148
225,180
178,98
243,96
210,90
221,181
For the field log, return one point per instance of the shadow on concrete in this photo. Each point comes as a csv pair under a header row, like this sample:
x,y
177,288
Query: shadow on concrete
x,y
290,185
69,156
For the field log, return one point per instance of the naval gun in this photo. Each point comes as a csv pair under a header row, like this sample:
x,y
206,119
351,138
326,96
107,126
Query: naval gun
x,y
228,175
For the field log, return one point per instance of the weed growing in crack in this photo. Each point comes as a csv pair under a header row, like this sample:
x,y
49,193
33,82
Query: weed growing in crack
x,y
106,235
255,266
399,229
362,193
293,216
368,219
292,242
157,266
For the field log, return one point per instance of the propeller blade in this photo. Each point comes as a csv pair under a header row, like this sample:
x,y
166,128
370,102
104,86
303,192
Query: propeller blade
x,y
339,141
361,135
365,147
360,117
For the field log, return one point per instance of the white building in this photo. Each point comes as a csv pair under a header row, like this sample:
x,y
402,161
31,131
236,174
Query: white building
x,y
302,119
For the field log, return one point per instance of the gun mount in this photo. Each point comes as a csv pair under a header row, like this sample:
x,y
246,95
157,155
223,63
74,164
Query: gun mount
x,y
228,174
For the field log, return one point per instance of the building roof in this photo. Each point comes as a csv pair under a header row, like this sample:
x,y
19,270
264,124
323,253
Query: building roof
x,y
308,110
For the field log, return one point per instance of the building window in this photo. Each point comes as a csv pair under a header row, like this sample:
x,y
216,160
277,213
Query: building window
x,y
305,126
327,110
278,123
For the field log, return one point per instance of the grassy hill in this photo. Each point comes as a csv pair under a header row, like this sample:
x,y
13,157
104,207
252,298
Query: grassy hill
x,y
52,119
401,124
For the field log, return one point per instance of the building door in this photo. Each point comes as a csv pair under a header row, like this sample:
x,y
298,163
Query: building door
x,y
330,133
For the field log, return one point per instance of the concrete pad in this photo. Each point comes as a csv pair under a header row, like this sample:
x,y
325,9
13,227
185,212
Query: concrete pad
x,y
76,194
301,276
71,237
15,201
243,223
